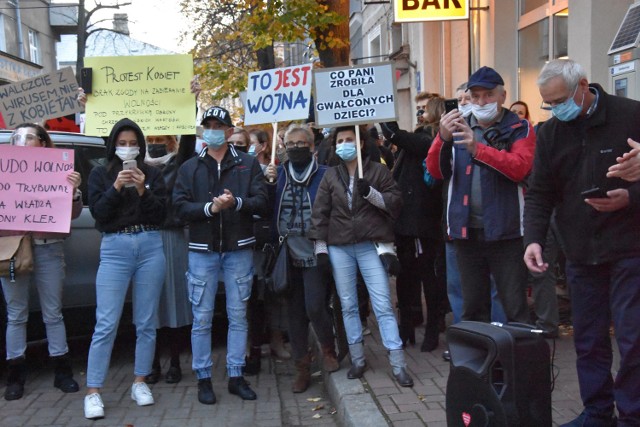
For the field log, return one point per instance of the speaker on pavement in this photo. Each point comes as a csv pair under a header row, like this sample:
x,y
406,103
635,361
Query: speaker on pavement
x,y
500,376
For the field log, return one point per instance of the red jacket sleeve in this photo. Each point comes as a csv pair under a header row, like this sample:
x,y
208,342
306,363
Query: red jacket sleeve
x,y
433,158
514,164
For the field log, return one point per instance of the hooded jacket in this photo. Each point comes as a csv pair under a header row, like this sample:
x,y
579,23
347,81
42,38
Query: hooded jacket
x,y
200,179
114,210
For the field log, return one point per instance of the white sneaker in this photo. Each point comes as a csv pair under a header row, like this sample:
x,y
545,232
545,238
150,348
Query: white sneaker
x,y
141,394
93,406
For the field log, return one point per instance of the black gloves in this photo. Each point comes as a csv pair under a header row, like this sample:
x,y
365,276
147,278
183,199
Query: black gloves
x,y
363,187
324,267
389,129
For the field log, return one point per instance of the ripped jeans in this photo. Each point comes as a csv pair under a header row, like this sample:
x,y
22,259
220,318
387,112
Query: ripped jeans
x,y
202,284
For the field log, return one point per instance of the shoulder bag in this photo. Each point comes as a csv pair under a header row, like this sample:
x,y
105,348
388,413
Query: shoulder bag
x,y
16,256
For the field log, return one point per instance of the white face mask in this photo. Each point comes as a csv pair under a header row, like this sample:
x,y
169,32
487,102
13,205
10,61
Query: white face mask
x,y
485,113
127,153
465,109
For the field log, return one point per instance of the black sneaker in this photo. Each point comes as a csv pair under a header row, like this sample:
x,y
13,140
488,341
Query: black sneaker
x,y
239,387
205,392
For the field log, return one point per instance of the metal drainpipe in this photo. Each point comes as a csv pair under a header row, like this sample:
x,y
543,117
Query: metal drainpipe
x,y
16,4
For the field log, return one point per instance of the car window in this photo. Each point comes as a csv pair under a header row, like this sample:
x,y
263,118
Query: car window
x,y
86,158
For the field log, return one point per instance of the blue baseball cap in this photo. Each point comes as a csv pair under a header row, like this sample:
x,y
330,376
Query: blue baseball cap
x,y
485,77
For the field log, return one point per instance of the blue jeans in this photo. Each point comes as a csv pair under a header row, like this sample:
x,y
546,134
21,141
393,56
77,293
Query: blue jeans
x,y
600,293
202,285
125,258
454,290
47,275
345,260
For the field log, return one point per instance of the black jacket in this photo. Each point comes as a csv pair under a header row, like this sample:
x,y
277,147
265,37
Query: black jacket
x,y
115,210
199,181
421,214
572,157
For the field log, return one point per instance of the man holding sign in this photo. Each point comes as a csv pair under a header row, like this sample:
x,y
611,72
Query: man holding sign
x,y
217,193
48,273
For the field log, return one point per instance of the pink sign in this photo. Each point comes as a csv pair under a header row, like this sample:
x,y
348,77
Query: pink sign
x,y
34,192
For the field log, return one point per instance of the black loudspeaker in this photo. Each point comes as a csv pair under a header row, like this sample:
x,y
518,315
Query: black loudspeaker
x,y
500,376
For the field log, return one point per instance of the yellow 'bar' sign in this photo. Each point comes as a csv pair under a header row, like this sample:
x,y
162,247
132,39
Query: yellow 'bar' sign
x,y
430,10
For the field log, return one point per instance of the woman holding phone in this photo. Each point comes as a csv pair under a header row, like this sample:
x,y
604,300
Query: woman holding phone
x,y
127,200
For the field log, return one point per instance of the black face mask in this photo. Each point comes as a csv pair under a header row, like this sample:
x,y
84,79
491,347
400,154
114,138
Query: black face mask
x,y
157,150
299,157
243,148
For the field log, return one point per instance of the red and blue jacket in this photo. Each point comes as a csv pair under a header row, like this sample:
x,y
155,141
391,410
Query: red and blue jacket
x,y
505,162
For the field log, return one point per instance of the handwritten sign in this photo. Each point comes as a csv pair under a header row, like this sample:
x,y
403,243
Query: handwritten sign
x,y
278,94
354,95
153,91
38,99
34,192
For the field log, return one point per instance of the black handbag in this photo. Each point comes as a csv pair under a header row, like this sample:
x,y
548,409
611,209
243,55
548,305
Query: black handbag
x,y
278,279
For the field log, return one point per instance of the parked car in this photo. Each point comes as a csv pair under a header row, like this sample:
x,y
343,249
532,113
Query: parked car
x,y
82,248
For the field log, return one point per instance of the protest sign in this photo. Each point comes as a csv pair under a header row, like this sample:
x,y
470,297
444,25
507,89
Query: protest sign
x,y
153,91
277,95
38,99
354,95
34,192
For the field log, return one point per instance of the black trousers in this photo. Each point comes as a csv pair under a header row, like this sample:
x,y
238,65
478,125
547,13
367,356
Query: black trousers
x,y
478,260
422,262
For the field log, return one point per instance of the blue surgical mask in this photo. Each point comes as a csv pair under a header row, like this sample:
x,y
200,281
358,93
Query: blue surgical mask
x,y
568,110
214,138
252,150
465,109
346,151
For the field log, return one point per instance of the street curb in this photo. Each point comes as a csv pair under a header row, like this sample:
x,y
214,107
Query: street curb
x,y
354,404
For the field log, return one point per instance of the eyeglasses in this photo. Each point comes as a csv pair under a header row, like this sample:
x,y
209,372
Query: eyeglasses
x,y
549,106
23,139
296,144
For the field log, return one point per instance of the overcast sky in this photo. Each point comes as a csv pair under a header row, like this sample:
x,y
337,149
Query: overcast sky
x,y
152,21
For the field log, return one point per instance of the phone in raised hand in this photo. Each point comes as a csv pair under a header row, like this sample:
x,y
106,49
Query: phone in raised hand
x,y
129,165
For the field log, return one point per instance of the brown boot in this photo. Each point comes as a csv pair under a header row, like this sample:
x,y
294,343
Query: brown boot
x,y
329,358
277,346
303,375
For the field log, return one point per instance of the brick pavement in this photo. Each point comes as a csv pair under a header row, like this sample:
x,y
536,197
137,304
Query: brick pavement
x,y
176,404
424,404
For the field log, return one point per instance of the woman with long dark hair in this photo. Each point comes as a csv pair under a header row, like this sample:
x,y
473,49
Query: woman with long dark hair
x,y
129,208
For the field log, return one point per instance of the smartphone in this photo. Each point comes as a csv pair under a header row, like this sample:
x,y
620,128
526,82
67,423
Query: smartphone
x,y
128,165
86,79
594,193
450,104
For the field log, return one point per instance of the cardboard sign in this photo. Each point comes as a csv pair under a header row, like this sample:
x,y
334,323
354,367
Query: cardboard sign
x,y
36,100
430,10
277,95
153,91
34,192
355,95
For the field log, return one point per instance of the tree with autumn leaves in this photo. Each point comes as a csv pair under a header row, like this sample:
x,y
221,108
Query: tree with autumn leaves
x,y
235,37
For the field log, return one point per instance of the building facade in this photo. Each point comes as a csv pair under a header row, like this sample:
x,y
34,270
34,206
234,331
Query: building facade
x,y
516,37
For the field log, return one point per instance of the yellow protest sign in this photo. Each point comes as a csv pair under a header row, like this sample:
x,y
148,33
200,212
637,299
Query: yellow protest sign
x,y
153,91
430,10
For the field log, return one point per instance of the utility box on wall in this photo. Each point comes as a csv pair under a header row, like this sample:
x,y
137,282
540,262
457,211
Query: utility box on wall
x,y
624,56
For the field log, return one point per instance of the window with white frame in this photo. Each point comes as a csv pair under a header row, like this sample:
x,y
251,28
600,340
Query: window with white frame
x,y
3,38
34,47
375,45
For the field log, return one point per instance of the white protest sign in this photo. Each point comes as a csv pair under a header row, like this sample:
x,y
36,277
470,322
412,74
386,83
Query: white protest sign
x,y
277,95
355,95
